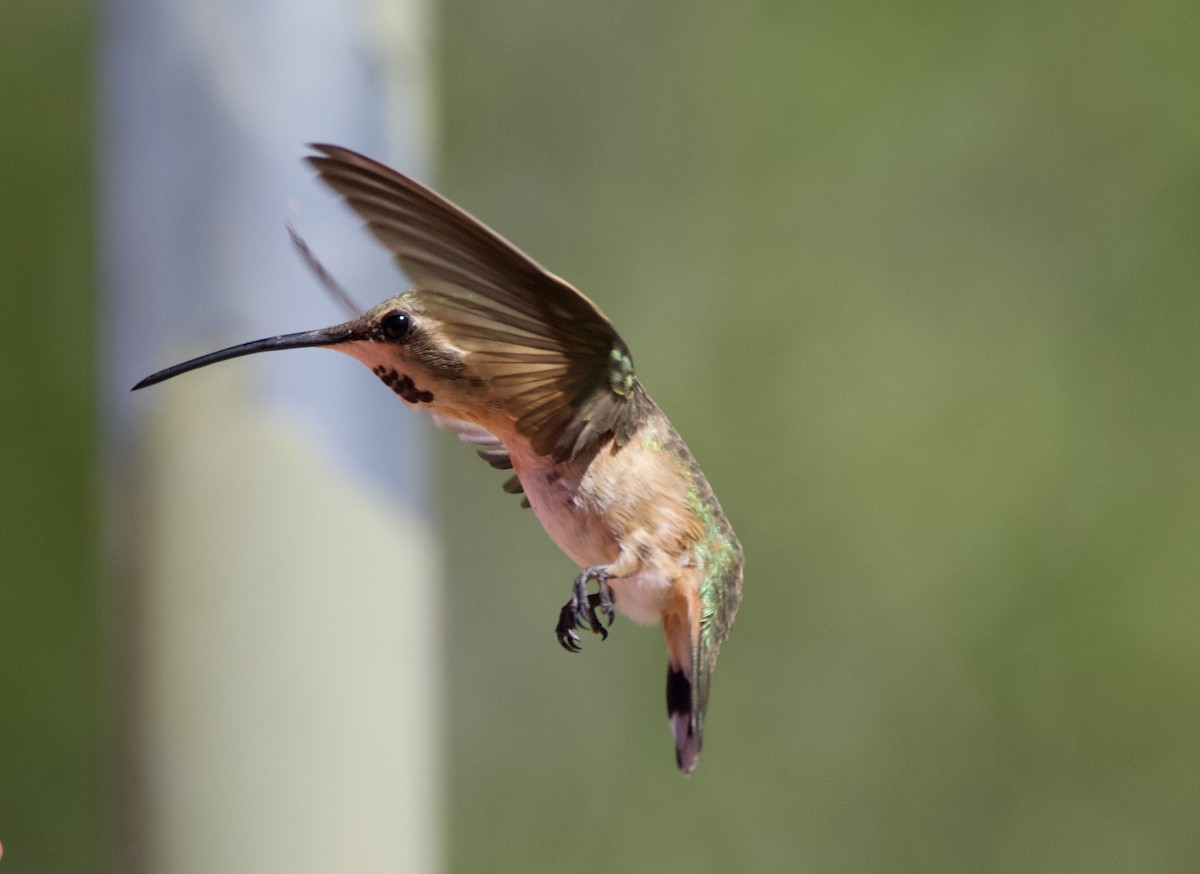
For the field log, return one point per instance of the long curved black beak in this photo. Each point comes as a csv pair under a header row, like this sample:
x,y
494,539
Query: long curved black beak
x,y
304,339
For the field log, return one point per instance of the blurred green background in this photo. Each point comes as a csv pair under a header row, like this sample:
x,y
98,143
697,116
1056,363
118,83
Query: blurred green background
x,y
919,285
52,662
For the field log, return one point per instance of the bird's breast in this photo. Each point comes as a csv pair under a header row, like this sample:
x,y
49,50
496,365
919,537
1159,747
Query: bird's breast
x,y
625,509
578,527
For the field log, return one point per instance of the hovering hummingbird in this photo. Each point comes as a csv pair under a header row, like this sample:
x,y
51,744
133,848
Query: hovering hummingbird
x,y
526,368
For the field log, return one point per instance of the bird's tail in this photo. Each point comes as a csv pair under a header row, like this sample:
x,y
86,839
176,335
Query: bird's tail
x,y
685,701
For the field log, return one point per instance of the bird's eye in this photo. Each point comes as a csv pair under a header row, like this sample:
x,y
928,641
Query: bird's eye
x,y
396,326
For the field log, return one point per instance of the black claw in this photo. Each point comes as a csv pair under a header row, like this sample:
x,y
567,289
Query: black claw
x,y
583,609
567,637
598,603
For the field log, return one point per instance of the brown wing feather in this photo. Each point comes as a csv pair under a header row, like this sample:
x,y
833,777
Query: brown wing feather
x,y
552,359
488,447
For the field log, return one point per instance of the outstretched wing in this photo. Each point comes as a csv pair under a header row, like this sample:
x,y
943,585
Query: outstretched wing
x,y
552,360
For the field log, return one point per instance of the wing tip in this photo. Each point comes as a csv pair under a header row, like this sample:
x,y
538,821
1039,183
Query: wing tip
x,y
325,153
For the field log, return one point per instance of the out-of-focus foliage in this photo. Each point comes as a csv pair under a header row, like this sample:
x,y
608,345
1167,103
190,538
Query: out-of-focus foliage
x,y
918,283
50,655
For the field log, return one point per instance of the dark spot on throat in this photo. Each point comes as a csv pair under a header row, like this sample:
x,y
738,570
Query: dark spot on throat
x,y
402,385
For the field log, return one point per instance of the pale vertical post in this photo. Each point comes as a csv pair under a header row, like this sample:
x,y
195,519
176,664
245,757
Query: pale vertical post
x,y
274,559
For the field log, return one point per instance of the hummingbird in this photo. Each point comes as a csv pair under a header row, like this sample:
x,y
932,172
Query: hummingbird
x,y
527,369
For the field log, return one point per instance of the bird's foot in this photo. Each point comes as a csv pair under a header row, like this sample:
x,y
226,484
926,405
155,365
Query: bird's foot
x,y
583,610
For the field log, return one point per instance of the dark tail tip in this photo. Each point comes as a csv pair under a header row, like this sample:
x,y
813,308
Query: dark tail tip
x,y
683,723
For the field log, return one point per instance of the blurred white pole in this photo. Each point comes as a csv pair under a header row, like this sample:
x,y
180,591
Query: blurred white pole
x,y
276,560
